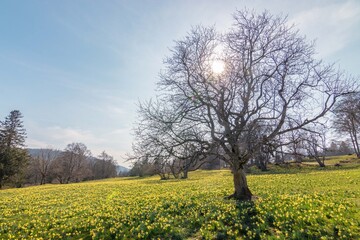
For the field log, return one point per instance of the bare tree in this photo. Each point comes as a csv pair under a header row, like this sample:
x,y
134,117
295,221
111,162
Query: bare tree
x,y
40,165
347,119
73,164
314,143
172,147
295,146
263,157
271,85
314,146
149,157
104,166
143,168
344,148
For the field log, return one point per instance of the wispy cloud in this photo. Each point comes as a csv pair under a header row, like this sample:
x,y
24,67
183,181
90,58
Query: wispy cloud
x,y
333,25
68,135
33,143
115,143
59,136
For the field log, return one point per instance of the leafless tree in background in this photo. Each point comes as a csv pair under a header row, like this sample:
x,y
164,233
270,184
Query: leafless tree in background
x,y
314,143
40,165
295,140
174,149
104,166
271,85
73,164
347,119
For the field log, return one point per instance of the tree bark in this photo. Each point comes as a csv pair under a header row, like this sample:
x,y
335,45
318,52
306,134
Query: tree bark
x,y
357,145
42,181
261,163
321,162
185,174
242,191
354,140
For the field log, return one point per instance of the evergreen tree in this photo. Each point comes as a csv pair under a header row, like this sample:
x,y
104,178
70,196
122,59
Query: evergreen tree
x,y
13,157
12,131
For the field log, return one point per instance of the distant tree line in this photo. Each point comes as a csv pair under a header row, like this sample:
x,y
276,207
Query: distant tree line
x,y
19,167
74,164
307,148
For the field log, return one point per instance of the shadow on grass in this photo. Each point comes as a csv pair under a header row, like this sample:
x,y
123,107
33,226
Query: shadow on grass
x,y
249,218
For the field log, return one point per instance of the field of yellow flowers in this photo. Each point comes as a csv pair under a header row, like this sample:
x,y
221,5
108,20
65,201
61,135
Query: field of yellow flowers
x,y
315,205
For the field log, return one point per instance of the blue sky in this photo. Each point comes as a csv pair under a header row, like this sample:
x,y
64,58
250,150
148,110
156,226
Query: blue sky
x,y
77,69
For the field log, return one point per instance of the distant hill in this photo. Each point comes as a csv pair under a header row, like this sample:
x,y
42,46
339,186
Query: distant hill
x,y
121,169
36,151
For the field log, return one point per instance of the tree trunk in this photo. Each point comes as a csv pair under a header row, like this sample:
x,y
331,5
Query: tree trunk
x,y
242,191
354,141
1,179
42,181
320,161
357,150
185,173
261,162
298,158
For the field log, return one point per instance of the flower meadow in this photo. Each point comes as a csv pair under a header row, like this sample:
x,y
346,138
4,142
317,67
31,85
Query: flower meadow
x,y
315,205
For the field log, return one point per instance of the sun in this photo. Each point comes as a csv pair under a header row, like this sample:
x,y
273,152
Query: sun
x,y
217,66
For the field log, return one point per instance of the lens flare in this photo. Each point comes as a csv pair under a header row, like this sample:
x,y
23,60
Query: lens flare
x,y
218,66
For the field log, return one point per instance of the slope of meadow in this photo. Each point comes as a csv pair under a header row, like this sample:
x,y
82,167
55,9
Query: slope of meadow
x,y
317,204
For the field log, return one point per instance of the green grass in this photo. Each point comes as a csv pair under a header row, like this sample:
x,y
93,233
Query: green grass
x,y
332,160
304,204
346,162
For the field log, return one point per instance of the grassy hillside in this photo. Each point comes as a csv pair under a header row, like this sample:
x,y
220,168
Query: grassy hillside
x,y
300,205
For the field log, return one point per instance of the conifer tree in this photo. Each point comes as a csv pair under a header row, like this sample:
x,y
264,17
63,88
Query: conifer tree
x,y
12,131
13,157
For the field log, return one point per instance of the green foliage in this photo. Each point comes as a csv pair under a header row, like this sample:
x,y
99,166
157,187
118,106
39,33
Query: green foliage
x,y
12,165
13,158
12,132
314,205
